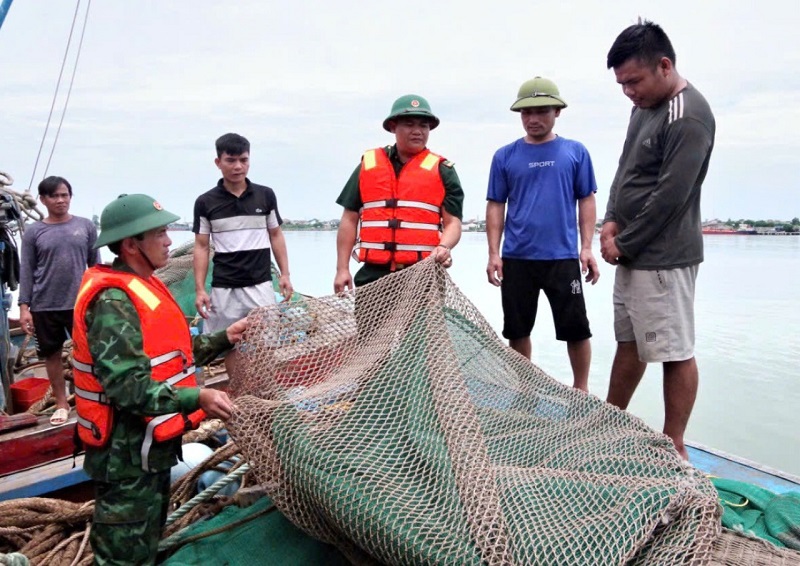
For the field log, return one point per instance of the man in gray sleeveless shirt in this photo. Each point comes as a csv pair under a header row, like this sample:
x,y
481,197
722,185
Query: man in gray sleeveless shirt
x,y
55,253
652,227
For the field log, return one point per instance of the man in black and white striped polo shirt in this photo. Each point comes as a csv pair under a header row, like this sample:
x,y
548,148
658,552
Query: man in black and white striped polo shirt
x,y
243,220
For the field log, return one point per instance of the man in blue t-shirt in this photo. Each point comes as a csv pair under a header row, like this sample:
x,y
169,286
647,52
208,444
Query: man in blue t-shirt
x,y
542,176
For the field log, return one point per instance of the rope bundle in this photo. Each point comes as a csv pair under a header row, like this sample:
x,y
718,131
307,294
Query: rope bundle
x,y
40,529
24,200
44,531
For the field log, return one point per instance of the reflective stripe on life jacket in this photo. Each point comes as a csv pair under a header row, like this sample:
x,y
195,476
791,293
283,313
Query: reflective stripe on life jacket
x,y
400,220
166,341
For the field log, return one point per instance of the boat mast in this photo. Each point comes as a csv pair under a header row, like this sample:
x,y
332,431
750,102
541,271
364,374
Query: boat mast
x,y
4,7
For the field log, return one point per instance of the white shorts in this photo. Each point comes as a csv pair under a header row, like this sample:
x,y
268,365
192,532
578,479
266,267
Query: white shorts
x,y
230,305
656,310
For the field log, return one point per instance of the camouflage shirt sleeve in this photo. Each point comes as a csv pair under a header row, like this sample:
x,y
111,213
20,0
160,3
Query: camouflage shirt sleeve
x,y
114,335
206,347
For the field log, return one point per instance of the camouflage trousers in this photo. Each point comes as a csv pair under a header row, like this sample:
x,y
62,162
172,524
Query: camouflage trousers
x,y
128,518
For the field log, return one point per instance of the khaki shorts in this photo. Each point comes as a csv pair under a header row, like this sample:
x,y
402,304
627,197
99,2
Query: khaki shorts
x,y
229,305
656,310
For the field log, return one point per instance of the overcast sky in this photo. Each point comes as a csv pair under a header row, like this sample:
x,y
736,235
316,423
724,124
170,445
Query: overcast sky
x,y
309,83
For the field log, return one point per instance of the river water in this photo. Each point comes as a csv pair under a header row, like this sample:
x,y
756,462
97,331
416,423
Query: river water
x,y
748,336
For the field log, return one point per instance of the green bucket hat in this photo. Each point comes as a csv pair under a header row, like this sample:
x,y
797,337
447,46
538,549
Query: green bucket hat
x,y
130,215
538,92
411,105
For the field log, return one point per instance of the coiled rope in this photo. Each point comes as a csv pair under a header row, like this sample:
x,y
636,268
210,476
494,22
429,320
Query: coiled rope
x,y
40,530
25,202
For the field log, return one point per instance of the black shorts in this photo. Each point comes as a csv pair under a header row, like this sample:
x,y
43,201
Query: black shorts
x,y
53,328
560,279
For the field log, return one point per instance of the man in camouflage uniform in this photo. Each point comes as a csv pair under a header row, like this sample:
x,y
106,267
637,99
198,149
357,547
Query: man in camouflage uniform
x,y
131,505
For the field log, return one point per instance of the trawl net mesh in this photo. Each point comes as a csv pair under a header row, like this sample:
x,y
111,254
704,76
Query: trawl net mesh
x,y
395,424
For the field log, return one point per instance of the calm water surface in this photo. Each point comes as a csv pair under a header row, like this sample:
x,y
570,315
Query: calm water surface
x,y
748,336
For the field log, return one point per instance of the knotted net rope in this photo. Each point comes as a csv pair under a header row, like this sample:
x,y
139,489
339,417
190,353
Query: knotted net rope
x,y
394,424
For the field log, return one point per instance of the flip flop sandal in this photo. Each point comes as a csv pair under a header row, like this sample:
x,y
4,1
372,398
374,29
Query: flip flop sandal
x,y
59,417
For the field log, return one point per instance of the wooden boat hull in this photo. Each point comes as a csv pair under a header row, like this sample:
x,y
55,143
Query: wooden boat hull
x,y
33,446
720,464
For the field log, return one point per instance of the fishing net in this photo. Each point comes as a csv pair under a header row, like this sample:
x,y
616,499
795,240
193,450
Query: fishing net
x,y
394,424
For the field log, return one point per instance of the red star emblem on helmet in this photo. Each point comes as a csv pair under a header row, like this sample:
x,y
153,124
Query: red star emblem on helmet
x,y
415,103
157,205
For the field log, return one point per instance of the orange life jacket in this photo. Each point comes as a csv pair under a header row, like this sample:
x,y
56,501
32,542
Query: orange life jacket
x,y
166,340
400,221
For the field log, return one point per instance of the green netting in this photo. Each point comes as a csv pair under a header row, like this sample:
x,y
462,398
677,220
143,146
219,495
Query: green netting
x,y
258,534
400,429
406,446
759,512
183,291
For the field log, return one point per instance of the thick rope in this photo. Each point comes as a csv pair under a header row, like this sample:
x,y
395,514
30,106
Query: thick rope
x,y
37,527
186,484
177,539
47,531
35,511
206,430
60,546
26,204
208,493
84,542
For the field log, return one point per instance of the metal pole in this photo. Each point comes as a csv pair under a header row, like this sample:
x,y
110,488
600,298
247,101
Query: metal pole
x,y
4,7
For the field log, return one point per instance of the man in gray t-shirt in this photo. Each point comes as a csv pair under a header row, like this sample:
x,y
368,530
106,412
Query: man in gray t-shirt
x,y
652,230
55,253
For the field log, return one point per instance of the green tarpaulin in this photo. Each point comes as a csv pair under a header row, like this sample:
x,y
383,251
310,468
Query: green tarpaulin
x,y
258,534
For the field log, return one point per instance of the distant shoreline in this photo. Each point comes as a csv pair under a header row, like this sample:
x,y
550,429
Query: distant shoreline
x,y
709,227
705,233
292,228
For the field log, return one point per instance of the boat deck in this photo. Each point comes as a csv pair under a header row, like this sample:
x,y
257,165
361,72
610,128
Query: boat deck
x,y
716,463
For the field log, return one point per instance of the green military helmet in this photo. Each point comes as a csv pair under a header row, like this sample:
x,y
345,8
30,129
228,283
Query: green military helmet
x,y
538,91
411,105
129,216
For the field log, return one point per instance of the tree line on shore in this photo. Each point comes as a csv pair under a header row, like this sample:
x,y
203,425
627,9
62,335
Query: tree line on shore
x,y
792,225
473,225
